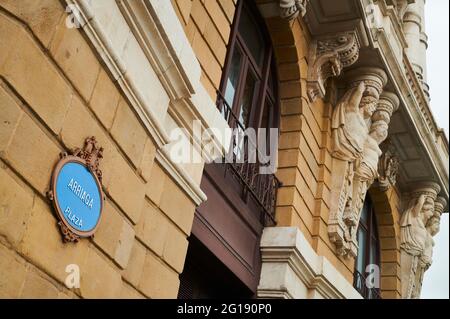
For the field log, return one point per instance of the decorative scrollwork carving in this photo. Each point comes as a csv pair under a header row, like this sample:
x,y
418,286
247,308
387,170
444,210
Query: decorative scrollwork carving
x,y
92,154
67,234
388,166
328,56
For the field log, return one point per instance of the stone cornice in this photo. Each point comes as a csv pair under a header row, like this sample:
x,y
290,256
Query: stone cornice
x,y
414,103
288,248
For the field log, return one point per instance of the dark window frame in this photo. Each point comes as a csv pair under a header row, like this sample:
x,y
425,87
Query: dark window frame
x,y
371,243
261,189
264,91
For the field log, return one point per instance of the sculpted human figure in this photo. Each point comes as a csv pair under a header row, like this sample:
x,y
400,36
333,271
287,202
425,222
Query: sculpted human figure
x,y
414,237
366,170
349,129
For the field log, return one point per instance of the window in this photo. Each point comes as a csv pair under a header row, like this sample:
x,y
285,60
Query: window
x,y
368,252
248,99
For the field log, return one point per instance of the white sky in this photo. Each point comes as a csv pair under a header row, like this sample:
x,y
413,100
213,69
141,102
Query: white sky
x,y
436,280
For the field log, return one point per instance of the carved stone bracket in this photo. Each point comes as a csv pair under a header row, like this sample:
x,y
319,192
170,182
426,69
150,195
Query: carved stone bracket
x,y
290,9
328,56
419,224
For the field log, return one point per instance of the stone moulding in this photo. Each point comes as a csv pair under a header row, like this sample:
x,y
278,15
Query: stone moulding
x,y
328,56
151,44
291,269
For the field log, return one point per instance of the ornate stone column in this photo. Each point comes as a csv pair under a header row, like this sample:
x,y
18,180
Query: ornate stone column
x,y
418,225
359,125
414,29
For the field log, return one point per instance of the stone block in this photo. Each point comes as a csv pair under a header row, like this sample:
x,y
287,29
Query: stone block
x,y
32,74
128,292
148,159
155,185
105,99
158,281
15,208
175,248
80,124
129,133
115,235
13,271
135,266
42,243
41,16
152,228
38,286
33,154
9,116
99,279
177,206
73,54
126,188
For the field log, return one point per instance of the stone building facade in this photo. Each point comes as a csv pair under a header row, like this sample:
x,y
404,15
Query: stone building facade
x,y
361,166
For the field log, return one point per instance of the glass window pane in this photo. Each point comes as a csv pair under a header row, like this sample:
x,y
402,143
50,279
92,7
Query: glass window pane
x,y
373,252
360,259
365,214
265,119
247,100
233,77
249,32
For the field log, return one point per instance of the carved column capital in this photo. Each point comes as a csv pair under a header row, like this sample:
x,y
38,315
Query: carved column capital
x,y
428,189
439,205
388,104
290,9
374,79
328,57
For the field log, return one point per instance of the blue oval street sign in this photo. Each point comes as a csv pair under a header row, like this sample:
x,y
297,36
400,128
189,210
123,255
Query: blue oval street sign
x,y
76,191
78,197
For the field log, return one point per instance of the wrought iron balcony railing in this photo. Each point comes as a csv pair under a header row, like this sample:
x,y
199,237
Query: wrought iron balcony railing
x,y
262,187
359,282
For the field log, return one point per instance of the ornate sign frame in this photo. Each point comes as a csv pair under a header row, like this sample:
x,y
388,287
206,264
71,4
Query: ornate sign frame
x,y
89,157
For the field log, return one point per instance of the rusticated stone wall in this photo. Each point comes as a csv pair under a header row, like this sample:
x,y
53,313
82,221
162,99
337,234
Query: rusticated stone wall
x,y
53,94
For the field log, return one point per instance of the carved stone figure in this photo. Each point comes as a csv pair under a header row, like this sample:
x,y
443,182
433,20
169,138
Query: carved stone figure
x,y
416,240
328,56
290,9
349,130
360,123
366,171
